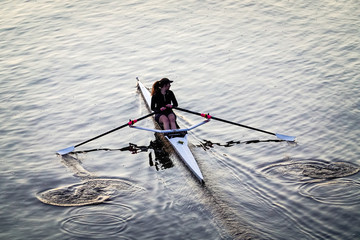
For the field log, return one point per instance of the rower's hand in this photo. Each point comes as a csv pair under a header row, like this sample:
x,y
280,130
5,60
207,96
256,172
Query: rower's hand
x,y
169,106
163,109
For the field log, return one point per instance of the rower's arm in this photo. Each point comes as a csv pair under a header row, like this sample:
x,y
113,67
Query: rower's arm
x,y
174,101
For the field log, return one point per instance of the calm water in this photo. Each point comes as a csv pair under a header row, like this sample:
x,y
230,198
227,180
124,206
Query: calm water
x,y
67,72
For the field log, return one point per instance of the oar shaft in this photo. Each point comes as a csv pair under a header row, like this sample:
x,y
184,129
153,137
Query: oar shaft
x,y
240,125
227,121
113,130
101,135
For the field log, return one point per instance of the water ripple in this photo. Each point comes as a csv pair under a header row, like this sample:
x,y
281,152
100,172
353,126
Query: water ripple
x,y
93,225
99,222
338,191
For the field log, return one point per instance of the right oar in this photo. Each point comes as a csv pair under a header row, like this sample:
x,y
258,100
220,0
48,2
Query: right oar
x,y
70,149
280,136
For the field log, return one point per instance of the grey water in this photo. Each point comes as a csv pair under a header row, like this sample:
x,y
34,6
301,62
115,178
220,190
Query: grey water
x,y
68,73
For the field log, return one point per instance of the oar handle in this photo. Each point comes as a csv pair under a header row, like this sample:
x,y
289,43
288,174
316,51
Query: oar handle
x,y
227,121
113,130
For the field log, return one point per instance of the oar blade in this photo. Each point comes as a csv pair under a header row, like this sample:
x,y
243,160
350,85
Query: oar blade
x,y
65,150
285,137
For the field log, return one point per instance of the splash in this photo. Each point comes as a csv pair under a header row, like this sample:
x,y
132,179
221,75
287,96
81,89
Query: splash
x,y
92,191
73,195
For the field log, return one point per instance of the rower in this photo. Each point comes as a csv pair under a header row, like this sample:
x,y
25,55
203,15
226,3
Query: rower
x,y
162,102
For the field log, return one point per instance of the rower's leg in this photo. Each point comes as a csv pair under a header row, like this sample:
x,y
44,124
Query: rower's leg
x,y
172,120
165,121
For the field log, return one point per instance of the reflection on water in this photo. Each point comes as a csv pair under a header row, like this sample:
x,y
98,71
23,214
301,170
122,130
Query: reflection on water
x,y
162,159
207,144
160,162
133,148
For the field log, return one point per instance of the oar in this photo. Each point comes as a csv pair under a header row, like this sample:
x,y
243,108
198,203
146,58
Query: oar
x,y
70,149
280,136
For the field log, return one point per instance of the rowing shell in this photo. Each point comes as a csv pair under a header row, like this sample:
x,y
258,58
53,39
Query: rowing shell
x,y
179,143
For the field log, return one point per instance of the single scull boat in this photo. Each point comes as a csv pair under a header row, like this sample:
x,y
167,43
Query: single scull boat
x,y
178,138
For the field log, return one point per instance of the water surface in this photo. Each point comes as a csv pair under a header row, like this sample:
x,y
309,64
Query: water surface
x,y
67,72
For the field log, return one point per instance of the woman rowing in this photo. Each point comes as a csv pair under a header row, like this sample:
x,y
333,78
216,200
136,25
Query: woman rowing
x,y
162,102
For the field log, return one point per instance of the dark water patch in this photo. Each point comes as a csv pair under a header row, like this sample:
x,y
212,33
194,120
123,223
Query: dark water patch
x,y
330,170
93,191
305,169
336,191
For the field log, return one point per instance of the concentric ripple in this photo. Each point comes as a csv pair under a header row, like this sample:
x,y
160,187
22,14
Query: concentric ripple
x,y
337,191
93,225
106,221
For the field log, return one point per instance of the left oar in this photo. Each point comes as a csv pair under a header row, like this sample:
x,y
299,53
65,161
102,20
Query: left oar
x,y
280,136
70,149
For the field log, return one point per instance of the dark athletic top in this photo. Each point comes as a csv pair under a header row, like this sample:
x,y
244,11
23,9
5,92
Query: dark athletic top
x,y
158,101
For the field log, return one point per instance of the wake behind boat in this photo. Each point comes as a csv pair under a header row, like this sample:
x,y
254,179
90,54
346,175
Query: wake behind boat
x,y
178,138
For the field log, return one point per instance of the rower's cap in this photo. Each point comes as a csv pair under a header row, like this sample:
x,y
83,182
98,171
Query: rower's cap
x,y
164,81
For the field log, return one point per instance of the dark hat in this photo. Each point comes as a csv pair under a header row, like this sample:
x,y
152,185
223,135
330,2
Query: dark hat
x,y
164,81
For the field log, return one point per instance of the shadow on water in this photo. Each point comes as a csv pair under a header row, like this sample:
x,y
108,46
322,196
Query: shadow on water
x,y
207,144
